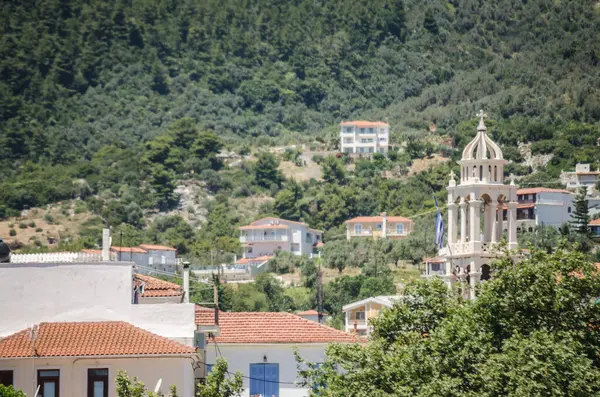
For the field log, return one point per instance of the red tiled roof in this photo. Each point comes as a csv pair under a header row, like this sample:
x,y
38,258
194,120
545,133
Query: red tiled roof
x,y
364,123
111,338
535,190
277,219
437,259
258,259
595,222
97,252
522,206
136,250
264,327
155,288
157,247
308,313
390,219
267,226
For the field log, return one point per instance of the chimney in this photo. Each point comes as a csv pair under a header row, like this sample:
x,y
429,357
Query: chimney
x,y
384,225
106,242
186,282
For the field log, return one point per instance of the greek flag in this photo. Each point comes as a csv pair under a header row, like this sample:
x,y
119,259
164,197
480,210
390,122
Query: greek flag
x,y
439,226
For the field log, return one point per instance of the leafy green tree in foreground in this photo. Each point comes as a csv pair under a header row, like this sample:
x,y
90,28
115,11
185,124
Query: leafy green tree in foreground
x,y
9,391
134,388
219,384
532,331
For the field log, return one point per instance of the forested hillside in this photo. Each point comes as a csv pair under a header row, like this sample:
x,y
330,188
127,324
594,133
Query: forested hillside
x,y
99,95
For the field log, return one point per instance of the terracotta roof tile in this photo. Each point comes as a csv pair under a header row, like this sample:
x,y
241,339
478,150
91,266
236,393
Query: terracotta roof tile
x,y
308,313
258,259
154,287
535,190
135,250
157,247
265,327
112,338
96,252
595,222
364,123
390,219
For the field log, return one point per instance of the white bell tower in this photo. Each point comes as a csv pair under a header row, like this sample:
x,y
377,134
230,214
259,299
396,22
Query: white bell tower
x,y
476,222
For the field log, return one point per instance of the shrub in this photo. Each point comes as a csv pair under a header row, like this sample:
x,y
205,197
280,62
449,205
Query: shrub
x,y
49,219
12,232
39,230
11,225
31,224
22,225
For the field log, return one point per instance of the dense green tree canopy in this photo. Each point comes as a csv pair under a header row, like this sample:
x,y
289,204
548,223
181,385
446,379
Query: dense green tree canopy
x,y
532,331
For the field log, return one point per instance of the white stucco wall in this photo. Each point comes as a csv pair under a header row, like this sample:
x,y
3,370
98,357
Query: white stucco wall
x,y
240,356
84,292
73,373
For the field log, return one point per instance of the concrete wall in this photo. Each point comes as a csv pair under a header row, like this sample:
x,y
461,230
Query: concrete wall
x,y
73,373
84,292
240,356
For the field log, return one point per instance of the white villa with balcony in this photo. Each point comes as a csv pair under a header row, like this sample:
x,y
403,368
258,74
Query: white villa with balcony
x,y
541,206
266,236
364,137
376,227
583,176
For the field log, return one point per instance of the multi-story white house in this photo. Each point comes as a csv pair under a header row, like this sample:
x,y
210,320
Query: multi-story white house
x,y
266,236
582,176
364,137
540,206
375,227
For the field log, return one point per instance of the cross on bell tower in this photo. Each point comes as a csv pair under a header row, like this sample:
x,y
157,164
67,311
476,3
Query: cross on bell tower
x,y
481,209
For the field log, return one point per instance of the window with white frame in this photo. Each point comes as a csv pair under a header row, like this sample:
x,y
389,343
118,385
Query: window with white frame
x,y
400,228
358,228
378,226
359,315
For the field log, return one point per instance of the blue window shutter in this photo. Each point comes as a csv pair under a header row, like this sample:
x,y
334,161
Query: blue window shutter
x,y
257,376
271,380
209,368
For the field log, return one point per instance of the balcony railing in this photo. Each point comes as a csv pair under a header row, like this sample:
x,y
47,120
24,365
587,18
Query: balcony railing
x,y
393,232
268,237
361,233
359,323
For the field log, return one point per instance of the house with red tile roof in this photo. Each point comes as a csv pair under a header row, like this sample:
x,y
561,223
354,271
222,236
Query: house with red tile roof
x,y
363,138
261,346
542,206
99,293
71,358
154,290
266,236
376,227
583,176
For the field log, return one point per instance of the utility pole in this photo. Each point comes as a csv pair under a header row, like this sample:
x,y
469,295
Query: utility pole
x,y
216,297
319,294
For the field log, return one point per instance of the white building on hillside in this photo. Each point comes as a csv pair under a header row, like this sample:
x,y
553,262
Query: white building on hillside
x,y
261,346
480,193
583,176
540,206
364,137
266,236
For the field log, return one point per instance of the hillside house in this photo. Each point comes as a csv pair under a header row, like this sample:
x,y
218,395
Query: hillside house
x,y
375,227
358,314
261,347
266,236
147,257
583,176
364,137
541,206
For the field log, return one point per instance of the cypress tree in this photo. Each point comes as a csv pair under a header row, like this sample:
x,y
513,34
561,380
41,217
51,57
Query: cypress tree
x,y
580,216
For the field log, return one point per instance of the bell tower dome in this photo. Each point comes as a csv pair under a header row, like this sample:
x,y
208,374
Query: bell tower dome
x,y
482,210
